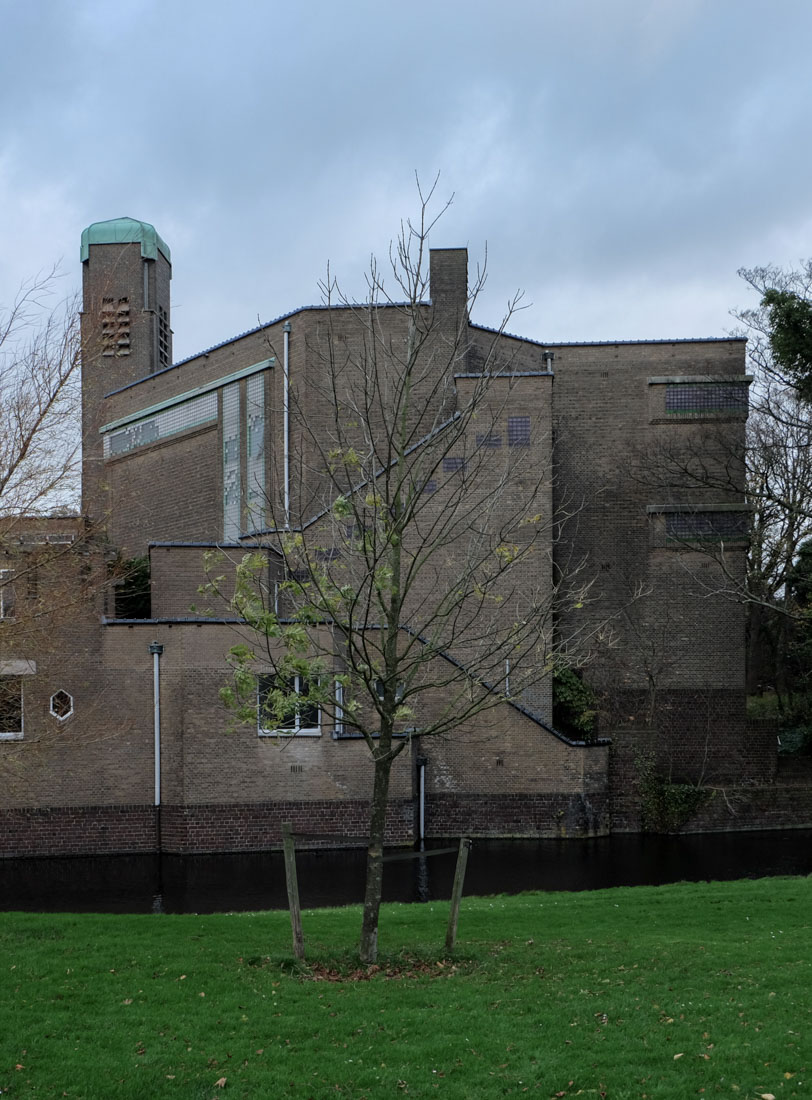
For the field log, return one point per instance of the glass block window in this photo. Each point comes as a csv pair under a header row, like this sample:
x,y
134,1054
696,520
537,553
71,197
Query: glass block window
x,y
189,414
489,440
255,480
518,431
705,398
453,465
231,461
430,486
701,526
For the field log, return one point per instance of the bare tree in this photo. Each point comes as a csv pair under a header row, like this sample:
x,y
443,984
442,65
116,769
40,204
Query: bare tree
x,y
49,571
39,402
411,583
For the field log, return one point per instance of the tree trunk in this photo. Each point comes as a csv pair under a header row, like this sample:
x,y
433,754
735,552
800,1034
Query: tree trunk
x,y
374,883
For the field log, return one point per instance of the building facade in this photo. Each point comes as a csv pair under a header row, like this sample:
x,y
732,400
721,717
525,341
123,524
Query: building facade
x,y
221,454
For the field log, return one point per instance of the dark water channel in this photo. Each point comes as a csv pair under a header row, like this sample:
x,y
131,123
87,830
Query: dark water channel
x,y
240,882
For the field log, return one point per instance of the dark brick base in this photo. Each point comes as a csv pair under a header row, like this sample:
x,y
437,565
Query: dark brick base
x,y
77,831
107,830
518,815
258,826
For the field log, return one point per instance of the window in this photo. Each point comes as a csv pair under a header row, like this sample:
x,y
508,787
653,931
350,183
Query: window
x,y
11,708
302,718
115,325
706,526
705,399
453,465
339,708
231,462
255,450
6,594
187,414
61,705
163,338
518,431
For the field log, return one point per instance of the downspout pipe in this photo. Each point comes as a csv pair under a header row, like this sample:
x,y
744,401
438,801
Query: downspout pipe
x,y
156,649
286,420
421,800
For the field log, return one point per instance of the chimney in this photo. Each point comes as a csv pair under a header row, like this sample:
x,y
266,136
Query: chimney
x,y
448,284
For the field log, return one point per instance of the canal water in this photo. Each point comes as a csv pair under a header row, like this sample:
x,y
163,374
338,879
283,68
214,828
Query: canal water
x,y
251,881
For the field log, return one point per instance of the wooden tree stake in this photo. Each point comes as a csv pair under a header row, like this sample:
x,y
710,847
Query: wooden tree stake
x,y
456,893
293,890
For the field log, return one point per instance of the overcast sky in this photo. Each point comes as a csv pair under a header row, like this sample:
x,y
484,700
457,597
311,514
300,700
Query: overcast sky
x,y
619,158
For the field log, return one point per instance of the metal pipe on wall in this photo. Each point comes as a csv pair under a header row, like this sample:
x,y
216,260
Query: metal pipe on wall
x,y
286,418
156,649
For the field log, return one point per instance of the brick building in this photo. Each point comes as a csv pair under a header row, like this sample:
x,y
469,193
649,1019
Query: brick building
x,y
205,454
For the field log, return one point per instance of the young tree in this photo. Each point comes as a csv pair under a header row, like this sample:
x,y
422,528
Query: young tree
x,y
411,585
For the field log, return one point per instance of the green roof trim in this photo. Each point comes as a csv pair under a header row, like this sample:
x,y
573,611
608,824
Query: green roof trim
x,y
125,231
180,398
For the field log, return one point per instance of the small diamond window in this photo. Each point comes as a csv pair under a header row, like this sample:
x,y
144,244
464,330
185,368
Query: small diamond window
x,y
61,705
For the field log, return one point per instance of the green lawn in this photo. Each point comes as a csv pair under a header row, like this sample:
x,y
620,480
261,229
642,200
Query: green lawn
x,y
657,992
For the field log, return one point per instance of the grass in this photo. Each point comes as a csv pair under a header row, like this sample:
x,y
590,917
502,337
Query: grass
x,y
646,992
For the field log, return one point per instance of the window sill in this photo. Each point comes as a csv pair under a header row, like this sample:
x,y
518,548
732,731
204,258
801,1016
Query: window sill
x,y
287,734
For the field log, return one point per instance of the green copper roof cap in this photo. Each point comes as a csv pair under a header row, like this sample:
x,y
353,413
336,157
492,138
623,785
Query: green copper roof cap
x,y
125,231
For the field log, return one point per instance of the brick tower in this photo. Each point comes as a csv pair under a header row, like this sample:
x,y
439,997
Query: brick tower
x,y
126,332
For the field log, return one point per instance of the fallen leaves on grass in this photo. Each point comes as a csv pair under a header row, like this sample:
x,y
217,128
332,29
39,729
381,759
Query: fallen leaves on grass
x,y
319,972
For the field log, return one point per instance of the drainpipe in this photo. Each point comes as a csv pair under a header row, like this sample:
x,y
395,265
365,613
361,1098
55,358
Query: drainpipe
x,y
156,649
286,418
421,799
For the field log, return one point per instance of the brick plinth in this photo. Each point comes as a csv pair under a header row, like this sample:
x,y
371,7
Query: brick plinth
x,y
258,826
77,831
550,814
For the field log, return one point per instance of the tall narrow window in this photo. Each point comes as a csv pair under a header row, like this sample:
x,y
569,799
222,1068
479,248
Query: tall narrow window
x,y
163,338
231,461
11,708
255,451
115,326
6,593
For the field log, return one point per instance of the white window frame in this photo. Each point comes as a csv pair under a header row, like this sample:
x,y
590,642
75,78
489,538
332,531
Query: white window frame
x,y
15,735
61,717
7,594
339,708
297,729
